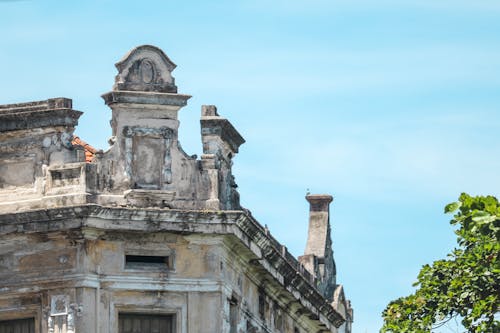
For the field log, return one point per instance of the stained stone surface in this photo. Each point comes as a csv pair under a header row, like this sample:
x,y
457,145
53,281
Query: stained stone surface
x,y
70,223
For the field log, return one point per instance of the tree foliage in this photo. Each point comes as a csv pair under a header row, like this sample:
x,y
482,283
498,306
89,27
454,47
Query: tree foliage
x,y
466,285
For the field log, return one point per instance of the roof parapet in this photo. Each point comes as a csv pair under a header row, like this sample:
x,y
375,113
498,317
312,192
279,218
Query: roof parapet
x,y
47,113
218,134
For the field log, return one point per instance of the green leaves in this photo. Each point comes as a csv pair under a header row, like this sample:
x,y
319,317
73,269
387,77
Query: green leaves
x,y
451,207
483,217
466,285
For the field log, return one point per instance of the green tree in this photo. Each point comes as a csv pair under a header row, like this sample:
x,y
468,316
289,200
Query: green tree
x,y
466,285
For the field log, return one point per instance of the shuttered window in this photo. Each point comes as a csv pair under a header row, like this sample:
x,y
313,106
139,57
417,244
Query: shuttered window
x,y
141,323
18,326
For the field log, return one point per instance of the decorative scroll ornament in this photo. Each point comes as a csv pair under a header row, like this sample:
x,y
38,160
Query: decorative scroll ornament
x,y
62,314
59,305
145,68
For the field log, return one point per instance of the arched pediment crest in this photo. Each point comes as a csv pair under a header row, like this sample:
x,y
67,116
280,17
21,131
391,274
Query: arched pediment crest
x,y
145,68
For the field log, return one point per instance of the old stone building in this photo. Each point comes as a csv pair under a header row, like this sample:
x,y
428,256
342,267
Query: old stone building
x,y
143,237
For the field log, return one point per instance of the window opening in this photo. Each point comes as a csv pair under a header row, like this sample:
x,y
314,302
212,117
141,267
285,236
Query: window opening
x,y
18,325
145,323
137,261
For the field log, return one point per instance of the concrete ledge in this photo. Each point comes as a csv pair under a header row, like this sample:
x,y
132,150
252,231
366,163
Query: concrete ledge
x,y
292,276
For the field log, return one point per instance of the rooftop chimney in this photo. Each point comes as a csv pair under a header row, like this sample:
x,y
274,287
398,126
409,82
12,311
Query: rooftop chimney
x,y
318,255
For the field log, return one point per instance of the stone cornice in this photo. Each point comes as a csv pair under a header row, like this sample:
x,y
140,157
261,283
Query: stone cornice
x,y
142,97
223,128
237,223
49,113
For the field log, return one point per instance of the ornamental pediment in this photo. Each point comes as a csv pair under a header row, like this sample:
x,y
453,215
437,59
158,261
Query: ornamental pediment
x,y
145,68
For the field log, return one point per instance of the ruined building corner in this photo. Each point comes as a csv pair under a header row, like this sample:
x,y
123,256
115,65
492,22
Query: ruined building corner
x,y
318,257
141,236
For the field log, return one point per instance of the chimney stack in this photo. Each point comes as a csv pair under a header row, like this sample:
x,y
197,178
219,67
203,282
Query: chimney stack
x,y
318,255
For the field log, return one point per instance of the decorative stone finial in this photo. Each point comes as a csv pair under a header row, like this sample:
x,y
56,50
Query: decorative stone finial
x,y
145,68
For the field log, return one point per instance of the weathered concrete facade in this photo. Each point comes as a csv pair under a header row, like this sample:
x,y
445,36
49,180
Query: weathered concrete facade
x,y
143,237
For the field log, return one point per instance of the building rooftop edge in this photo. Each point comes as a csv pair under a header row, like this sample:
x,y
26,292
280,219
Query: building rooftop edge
x,y
42,105
276,253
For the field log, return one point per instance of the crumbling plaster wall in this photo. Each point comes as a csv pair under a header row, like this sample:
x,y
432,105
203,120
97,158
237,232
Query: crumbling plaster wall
x,y
145,165
87,266
38,163
225,273
35,267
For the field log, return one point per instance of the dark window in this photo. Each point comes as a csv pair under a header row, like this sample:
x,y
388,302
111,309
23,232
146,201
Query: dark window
x,y
135,261
143,323
18,326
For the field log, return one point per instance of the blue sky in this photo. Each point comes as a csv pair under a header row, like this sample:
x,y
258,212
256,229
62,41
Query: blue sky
x,y
391,106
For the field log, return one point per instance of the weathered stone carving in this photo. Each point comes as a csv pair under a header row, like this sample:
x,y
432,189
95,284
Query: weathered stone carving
x,y
60,315
59,305
148,161
35,137
74,220
221,142
145,68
